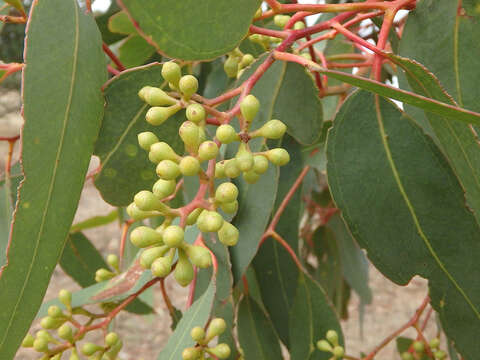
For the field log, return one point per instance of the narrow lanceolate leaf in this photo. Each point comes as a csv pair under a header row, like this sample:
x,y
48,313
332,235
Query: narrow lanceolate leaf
x,y
459,141
191,29
256,334
125,166
63,105
95,221
288,93
197,315
255,207
405,206
80,259
311,316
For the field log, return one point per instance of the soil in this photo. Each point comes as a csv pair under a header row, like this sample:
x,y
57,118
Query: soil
x,y
144,337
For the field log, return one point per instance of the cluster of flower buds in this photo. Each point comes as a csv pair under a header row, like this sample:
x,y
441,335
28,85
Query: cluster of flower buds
x,y
220,351
236,62
330,344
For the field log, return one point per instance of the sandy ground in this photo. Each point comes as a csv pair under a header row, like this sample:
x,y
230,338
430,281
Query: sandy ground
x,y
392,305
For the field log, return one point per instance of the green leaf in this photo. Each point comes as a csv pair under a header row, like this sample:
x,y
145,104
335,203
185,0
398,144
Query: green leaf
x,y
405,206
17,4
80,260
120,23
287,92
255,206
458,141
125,166
311,316
196,315
65,68
256,334
193,30
135,51
95,221
277,274
102,23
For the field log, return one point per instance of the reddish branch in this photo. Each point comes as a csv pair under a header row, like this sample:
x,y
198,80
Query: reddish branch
x,y
123,239
113,57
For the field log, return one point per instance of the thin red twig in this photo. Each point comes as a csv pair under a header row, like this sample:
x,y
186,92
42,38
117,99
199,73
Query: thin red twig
x,y
113,57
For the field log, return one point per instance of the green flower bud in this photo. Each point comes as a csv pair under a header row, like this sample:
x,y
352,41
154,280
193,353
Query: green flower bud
x,y
299,25
111,339
226,134
146,201
244,158
230,208
143,236
201,134
188,85
150,255
258,13
226,192
251,177
278,156
209,221
228,234
55,312
198,255
146,139
184,270
306,56
231,168
163,188
56,357
221,351
434,343
28,341
43,334
89,348
157,115
65,332
247,60
162,266
114,350
40,345
113,261
323,345
197,334
173,236
418,346
103,275
189,132
193,216
281,20
260,164
207,150
189,166
196,113
216,327
220,170
191,353
167,170
162,151
143,92
440,355
50,323
65,297
407,356
157,97
249,107
136,214
273,129
332,336
338,352
171,72
73,355
231,66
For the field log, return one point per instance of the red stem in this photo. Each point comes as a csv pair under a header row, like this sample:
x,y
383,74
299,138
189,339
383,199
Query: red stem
x,y
113,57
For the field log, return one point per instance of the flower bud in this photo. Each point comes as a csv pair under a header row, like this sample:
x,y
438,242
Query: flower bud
x,y
89,349
323,345
162,151
28,341
230,208
171,72
221,351
157,115
195,113
65,298
299,25
55,312
249,107
184,270
226,134
407,356
188,85
338,352
197,333
247,60
332,337
103,275
193,216
40,345
173,236
231,66
209,221
162,266
251,177
65,332
150,255
273,129
434,343
191,353
189,166
418,346
260,164
189,132
216,327
198,255
226,192
113,261
157,97
43,334
278,156
220,170
111,339
73,355
146,139
281,20
228,234
440,355
146,200
167,170
207,150
143,236
244,158
136,214
50,323
231,168
163,188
